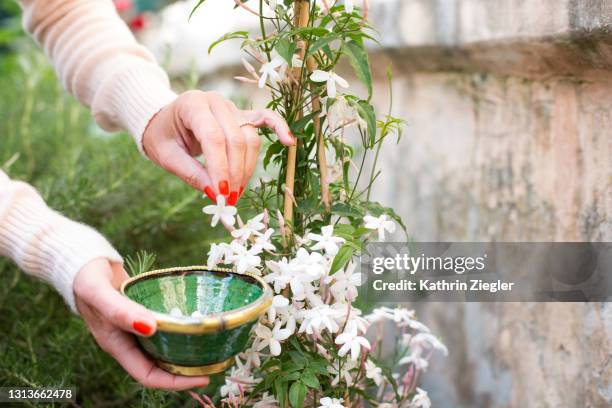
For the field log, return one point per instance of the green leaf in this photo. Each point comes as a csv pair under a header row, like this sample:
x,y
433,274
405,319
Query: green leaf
x,y
366,112
310,380
275,148
358,57
321,42
280,391
298,358
286,49
228,36
193,10
342,257
344,231
297,393
298,126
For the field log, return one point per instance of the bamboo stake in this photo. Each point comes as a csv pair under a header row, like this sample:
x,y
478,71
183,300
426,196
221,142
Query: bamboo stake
x,y
301,9
322,160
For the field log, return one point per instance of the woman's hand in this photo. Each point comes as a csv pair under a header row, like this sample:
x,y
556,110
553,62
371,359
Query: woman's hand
x,y
112,318
205,122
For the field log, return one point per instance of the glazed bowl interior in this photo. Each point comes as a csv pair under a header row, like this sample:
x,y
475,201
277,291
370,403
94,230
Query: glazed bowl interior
x,y
194,293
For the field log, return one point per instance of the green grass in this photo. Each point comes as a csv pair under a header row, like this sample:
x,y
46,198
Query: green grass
x,y
101,180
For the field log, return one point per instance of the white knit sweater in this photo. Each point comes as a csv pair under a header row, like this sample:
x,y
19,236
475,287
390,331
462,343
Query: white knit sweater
x,y
101,64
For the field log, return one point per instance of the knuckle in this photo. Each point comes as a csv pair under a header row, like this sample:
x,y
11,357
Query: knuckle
x,y
239,142
254,141
192,179
216,138
120,315
193,95
214,96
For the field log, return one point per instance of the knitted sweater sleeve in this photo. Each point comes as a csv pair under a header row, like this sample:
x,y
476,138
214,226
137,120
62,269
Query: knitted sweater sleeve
x,y
99,62
43,242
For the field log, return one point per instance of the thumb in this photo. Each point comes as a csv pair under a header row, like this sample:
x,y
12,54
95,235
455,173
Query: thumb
x,y
120,311
180,163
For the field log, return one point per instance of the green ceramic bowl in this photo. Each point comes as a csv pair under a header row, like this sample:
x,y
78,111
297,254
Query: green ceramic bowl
x,y
218,308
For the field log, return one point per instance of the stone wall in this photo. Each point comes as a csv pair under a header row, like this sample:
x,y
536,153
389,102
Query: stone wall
x,y
509,137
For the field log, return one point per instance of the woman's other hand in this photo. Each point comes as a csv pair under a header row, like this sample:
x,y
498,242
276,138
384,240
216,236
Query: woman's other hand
x,y
206,123
112,319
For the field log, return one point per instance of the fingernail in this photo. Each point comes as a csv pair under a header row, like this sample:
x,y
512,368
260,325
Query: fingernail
x,y
210,194
241,191
292,137
233,198
224,187
142,328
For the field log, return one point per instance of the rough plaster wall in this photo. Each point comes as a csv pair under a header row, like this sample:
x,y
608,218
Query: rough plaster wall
x,y
490,157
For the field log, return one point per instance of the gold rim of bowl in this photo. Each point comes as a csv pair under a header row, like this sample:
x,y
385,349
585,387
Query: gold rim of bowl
x,y
210,323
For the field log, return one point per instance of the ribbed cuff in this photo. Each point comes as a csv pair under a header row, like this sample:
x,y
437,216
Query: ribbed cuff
x,y
131,96
48,245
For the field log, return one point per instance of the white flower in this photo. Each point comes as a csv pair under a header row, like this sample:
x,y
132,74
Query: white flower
x,y
381,223
317,319
268,70
314,264
397,315
415,358
420,400
331,78
217,253
292,273
252,226
346,283
342,371
244,259
266,401
263,240
221,212
428,341
279,304
373,372
271,338
251,358
280,274
238,377
326,240
352,342
327,402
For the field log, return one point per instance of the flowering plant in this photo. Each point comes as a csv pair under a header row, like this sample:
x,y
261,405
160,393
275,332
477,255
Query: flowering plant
x,y
315,347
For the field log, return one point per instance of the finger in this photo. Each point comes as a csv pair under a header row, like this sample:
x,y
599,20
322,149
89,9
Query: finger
x,y
121,312
235,140
207,130
179,162
125,350
253,143
270,119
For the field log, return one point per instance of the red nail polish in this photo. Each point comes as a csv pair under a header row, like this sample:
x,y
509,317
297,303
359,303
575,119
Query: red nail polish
x,y
233,198
142,328
224,187
210,194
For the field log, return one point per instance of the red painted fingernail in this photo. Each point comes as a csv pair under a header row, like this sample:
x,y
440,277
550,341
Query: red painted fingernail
x,y
233,198
292,137
224,187
142,328
210,194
